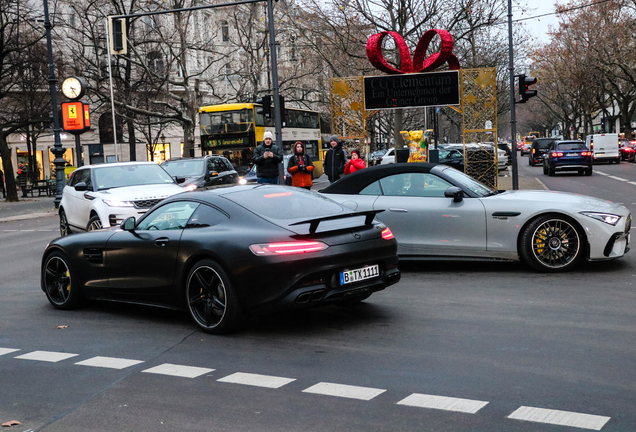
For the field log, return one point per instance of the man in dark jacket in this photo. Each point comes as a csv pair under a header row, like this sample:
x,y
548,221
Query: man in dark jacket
x,y
335,160
267,156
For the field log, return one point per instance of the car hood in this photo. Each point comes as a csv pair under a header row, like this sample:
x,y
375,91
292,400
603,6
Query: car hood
x,y
133,193
557,200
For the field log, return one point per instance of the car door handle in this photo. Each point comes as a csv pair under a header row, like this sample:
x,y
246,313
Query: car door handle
x,y
398,210
162,241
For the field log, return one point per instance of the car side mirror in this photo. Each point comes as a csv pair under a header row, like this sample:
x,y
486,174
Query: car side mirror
x,y
179,179
128,224
81,187
213,174
455,193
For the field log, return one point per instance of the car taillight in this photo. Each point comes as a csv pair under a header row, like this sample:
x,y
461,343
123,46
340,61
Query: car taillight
x,y
586,153
557,154
387,234
287,248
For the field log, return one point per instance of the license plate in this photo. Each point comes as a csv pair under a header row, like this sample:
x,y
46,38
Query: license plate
x,y
572,154
357,275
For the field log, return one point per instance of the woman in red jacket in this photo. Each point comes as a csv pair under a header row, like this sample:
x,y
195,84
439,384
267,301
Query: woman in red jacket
x,y
300,167
355,163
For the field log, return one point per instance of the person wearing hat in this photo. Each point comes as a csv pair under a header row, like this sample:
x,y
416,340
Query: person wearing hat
x,y
356,163
267,156
335,160
300,167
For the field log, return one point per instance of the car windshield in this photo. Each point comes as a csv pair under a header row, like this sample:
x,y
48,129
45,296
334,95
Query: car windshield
x,y
571,146
469,183
542,143
184,167
107,177
282,203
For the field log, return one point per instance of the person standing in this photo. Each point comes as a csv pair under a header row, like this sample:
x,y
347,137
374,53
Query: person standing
x,y
4,194
267,156
300,167
22,178
335,160
356,163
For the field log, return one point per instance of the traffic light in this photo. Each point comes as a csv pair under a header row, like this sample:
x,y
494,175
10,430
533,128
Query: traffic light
x,y
117,29
281,104
266,102
524,91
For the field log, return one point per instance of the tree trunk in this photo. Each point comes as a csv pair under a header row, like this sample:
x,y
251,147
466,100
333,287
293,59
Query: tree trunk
x,y
7,167
132,144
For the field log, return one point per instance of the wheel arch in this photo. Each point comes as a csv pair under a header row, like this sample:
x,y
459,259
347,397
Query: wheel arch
x,y
584,240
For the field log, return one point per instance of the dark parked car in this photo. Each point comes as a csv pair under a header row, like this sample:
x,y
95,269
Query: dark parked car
x,y
224,253
568,156
628,150
505,147
452,157
203,171
539,147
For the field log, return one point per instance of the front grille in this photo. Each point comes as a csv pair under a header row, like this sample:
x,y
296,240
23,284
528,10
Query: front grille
x,y
145,204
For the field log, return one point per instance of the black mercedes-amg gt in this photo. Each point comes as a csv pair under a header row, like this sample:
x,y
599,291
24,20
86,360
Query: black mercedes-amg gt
x,y
224,253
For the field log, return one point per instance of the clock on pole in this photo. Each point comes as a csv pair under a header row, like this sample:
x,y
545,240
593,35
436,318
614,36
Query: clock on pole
x,y
73,87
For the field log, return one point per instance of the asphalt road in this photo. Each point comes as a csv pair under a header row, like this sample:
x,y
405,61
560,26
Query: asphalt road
x,y
490,338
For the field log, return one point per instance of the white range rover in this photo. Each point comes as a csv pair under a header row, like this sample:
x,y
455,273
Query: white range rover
x,y
100,196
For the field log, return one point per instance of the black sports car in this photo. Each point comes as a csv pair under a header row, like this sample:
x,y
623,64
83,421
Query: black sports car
x,y
227,252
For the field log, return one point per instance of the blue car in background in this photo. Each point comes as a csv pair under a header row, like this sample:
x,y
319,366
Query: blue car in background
x,y
567,156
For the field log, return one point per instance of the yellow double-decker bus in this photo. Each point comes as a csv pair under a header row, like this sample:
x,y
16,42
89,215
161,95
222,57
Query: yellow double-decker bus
x,y
234,131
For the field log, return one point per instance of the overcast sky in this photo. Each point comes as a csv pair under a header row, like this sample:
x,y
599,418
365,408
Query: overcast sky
x,y
538,26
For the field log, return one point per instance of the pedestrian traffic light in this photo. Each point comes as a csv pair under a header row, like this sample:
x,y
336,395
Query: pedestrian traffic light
x,y
524,91
117,33
266,102
281,105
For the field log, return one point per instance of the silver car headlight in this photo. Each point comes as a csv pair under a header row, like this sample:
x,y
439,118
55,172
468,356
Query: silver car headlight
x,y
608,218
118,203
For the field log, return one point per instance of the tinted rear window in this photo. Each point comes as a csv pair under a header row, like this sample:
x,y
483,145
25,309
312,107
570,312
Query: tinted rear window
x,y
572,146
539,143
278,202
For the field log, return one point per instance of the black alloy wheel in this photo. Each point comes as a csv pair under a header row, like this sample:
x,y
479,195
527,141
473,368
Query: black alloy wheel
x,y
59,282
552,244
212,301
65,229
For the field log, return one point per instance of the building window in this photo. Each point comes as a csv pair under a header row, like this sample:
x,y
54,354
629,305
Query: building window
x,y
155,62
225,31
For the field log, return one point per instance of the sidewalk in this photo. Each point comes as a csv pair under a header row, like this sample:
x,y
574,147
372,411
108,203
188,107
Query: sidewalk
x,y
26,208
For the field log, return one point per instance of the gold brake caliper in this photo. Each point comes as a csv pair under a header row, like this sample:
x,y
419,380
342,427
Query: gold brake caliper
x,y
540,241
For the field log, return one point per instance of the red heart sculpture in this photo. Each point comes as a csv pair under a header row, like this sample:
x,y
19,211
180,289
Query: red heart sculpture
x,y
419,63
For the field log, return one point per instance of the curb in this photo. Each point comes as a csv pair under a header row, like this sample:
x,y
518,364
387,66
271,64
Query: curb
x,y
27,216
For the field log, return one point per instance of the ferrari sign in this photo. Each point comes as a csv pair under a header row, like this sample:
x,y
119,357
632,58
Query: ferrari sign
x,y
75,117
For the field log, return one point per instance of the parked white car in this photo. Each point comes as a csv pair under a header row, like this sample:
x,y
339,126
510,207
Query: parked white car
x,y
99,196
389,157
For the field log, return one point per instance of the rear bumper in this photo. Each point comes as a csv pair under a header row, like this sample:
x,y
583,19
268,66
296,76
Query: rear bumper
x,y
572,167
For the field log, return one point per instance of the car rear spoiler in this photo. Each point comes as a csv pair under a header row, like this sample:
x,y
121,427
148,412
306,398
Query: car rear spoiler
x,y
313,223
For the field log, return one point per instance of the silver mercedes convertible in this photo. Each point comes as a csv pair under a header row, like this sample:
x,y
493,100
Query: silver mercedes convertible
x,y
437,212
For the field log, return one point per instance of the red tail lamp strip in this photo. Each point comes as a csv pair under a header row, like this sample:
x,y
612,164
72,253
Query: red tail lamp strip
x,y
276,195
387,234
287,248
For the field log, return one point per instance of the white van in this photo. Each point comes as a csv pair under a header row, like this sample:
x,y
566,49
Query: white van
x,y
604,147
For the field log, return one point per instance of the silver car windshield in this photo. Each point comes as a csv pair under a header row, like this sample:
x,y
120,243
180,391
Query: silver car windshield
x,y
459,178
185,167
108,177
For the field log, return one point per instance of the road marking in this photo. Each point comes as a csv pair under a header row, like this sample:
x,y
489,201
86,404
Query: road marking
x,y
561,418
617,178
4,351
601,173
632,183
346,391
178,370
256,380
10,230
47,356
443,403
109,362
543,185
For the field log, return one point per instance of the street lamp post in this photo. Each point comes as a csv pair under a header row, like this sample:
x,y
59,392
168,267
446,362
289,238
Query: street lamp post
x,y
58,150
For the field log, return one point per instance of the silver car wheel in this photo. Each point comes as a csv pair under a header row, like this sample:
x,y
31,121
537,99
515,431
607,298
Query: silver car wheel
x,y
94,223
552,244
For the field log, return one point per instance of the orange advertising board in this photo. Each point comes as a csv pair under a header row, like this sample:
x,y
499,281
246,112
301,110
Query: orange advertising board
x,y
73,116
87,117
